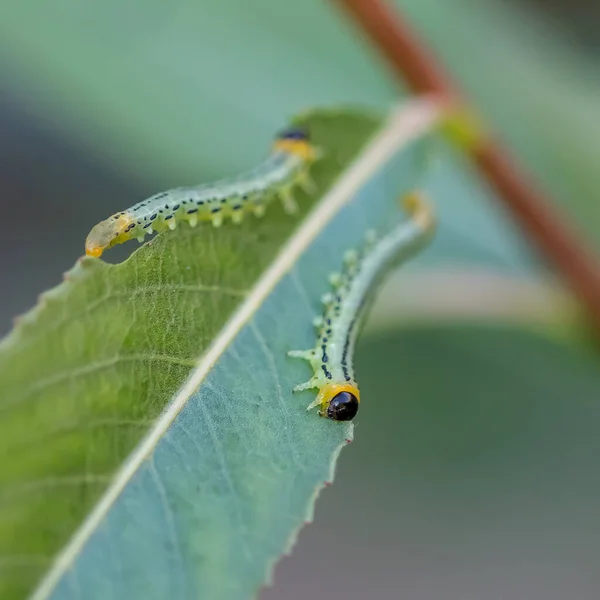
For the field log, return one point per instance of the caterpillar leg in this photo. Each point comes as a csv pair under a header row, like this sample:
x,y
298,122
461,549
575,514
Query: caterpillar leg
x,y
370,238
307,184
316,402
350,257
237,217
318,153
217,220
289,204
310,384
419,209
259,210
313,382
318,322
327,298
305,354
335,279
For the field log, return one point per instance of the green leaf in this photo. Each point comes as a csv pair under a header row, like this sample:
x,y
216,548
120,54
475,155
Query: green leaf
x,y
158,81
227,462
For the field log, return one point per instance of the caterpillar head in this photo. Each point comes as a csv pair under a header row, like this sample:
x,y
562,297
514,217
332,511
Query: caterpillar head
x,y
294,133
339,402
296,140
108,233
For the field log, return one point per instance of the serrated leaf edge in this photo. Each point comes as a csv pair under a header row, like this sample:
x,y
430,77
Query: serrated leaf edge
x,y
404,124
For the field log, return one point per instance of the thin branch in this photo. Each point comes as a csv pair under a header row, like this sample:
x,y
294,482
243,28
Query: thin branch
x,y
415,64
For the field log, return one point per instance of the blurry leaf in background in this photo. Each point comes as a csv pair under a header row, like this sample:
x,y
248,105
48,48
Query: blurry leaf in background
x,y
539,93
184,93
183,90
475,296
165,95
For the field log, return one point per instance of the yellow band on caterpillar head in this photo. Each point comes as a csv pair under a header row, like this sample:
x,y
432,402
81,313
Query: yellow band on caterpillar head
x,y
300,148
338,401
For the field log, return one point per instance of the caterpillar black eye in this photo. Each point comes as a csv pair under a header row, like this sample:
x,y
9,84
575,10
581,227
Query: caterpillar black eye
x,y
343,407
294,134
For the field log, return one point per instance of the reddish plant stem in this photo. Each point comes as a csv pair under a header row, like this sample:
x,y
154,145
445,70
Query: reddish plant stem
x,y
415,64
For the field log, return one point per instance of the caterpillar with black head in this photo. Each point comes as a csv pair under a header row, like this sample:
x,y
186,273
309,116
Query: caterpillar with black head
x,y
287,166
347,305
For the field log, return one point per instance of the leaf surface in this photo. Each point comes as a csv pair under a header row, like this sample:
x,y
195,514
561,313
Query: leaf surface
x,y
227,461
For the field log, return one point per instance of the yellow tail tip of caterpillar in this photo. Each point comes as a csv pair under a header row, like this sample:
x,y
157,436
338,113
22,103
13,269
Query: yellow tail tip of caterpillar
x,y
418,207
94,251
107,233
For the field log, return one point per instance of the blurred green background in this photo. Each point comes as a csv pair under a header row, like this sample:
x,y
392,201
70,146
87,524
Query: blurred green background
x,y
457,486
104,103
